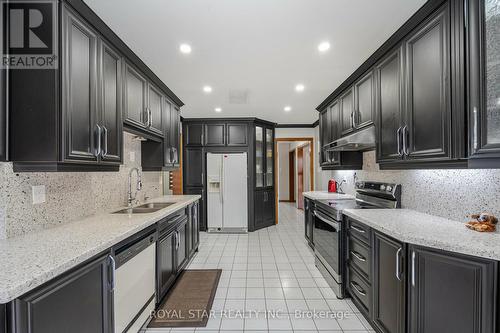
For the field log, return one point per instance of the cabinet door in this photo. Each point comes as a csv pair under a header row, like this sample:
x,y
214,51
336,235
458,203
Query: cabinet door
x,y
259,209
135,97
194,134
427,133
202,225
484,82
193,167
110,103
389,107
451,292
268,210
215,134
324,127
333,121
364,94
181,248
259,157
346,112
269,174
167,129
389,283
78,302
237,134
307,220
175,138
79,88
155,109
166,270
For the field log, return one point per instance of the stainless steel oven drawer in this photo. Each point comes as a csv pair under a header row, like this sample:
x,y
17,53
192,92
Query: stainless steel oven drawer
x,y
359,256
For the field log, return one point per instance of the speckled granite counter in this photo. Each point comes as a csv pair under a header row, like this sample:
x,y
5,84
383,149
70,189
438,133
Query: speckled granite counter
x,y
33,259
322,195
431,231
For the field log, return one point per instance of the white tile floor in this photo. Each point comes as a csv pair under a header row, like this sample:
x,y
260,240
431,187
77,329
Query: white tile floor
x,y
268,272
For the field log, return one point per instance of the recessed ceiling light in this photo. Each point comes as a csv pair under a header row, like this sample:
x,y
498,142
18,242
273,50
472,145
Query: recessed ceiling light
x,y
287,108
299,88
207,89
218,109
323,46
185,48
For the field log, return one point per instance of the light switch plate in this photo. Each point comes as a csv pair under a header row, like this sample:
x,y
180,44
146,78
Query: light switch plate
x,y
132,156
38,194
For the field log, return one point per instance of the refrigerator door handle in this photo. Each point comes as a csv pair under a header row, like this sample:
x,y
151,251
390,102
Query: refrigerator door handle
x,y
221,180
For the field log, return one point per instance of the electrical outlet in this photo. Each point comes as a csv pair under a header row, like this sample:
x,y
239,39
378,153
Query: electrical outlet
x,y
132,156
38,194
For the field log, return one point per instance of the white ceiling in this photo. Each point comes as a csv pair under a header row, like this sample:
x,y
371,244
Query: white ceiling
x,y
263,47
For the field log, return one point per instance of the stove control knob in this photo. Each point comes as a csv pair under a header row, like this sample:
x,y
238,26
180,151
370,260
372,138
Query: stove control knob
x,y
389,188
382,187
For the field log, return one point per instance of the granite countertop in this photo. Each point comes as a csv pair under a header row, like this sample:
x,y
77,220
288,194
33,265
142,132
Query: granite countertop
x,y
30,260
321,195
431,231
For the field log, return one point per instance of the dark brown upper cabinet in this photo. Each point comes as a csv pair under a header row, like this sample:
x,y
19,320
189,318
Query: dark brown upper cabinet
x,y
237,134
389,106
110,102
483,70
426,133
346,101
155,109
364,101
135,97
175,123
81,128
215,134
194,134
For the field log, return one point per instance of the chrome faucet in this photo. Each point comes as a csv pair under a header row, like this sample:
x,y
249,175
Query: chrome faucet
x,y
138,187
339,187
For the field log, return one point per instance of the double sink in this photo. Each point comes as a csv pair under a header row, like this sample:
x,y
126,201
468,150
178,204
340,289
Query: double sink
x,y
145,208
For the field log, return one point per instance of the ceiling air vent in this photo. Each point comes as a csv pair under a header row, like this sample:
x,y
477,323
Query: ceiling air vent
x,y
238,97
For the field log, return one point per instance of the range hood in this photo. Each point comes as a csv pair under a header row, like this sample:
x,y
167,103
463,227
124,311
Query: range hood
x,y
362,140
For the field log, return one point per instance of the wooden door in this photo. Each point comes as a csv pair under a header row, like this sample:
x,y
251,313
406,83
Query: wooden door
x,y
300,177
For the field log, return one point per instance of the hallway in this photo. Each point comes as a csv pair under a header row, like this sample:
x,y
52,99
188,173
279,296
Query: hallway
x,y
271,270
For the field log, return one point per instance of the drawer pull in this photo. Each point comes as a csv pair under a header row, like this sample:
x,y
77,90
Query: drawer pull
x,y
358,229
358,256
358,290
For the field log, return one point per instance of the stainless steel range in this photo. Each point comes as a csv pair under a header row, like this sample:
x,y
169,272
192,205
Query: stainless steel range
x,y
329,228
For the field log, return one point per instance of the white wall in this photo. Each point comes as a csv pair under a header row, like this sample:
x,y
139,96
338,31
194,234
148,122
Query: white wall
x,y
453,194
283,171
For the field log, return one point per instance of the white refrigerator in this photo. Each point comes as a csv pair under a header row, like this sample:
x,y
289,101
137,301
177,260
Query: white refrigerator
x,y
227,192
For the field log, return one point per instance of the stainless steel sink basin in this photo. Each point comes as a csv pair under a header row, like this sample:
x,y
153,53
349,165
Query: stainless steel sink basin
x,y
145,208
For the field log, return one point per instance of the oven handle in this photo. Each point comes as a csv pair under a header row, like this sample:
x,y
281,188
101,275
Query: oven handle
x,y
334,225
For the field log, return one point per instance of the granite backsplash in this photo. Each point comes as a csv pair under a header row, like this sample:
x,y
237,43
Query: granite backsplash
x,y
69,195
453,194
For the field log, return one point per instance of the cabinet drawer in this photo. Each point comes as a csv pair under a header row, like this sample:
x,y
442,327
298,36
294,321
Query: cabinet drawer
x,y
359,230
359,256
359,289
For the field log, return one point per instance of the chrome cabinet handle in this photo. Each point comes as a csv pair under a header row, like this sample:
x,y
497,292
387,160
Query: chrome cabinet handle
x,y
398,135
113,272
413,269
176,155
358,256
358,290
352,119
105,150
475,129
178,240
406,149
353,227
332,224
98,149
150,118
398,273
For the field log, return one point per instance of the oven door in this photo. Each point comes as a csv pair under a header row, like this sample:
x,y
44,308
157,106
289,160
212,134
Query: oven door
x,y
327,243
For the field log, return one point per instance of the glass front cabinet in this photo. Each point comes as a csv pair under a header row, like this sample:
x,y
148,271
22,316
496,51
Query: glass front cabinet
x,y
264,156
483,45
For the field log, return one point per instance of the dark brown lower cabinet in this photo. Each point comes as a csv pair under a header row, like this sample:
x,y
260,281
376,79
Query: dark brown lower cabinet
x,y
389,283
309,221
165,263
450,292
264,209
181,249
77,302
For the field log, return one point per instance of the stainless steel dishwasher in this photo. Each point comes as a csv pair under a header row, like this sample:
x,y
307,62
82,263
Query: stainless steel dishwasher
x,y
134,290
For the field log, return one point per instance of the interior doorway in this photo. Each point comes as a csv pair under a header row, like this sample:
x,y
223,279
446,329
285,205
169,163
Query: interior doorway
x,y
294,162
